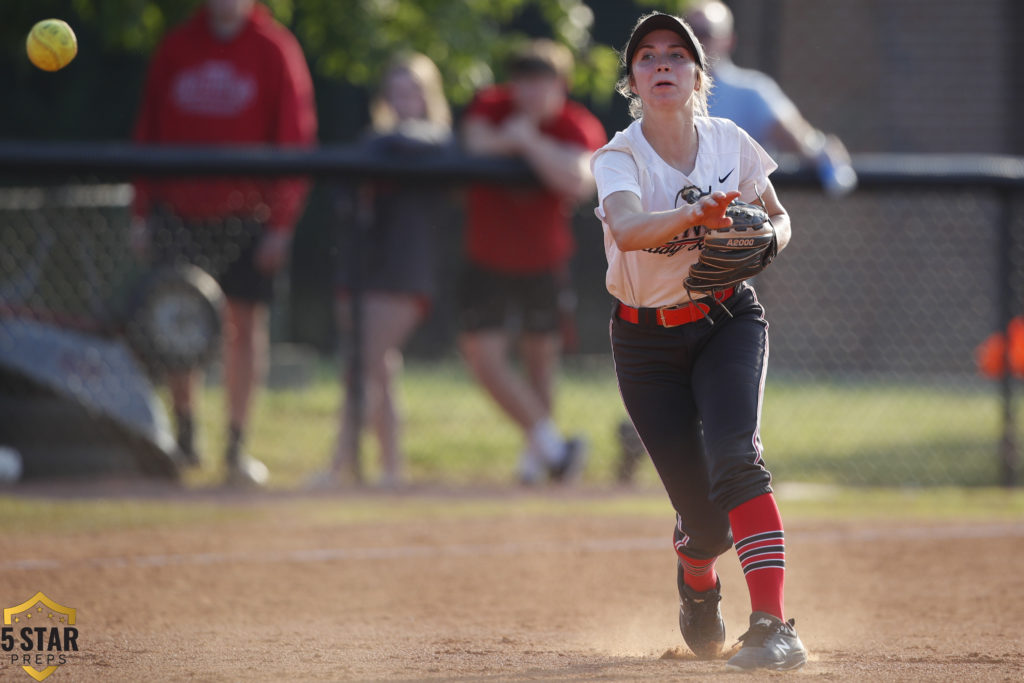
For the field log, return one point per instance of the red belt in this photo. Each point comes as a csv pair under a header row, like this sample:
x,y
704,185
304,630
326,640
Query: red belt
x,y
670,317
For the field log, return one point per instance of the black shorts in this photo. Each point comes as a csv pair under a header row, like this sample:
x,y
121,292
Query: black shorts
x,y
225,248
493,300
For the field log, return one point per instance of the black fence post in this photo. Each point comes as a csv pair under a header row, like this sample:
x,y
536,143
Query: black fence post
x,y
362,214
1009,458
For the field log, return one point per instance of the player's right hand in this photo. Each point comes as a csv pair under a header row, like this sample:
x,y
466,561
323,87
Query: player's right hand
x,y
709,210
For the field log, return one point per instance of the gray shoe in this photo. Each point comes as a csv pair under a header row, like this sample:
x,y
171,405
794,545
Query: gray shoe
x,y
327,480
247,472
531,469
770,643
570,465
700,620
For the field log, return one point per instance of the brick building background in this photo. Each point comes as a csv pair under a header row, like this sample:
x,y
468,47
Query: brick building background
x,y
869,281
936,76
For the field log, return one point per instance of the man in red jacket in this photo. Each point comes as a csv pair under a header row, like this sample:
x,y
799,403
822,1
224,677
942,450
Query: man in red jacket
x,y
229,75
518,244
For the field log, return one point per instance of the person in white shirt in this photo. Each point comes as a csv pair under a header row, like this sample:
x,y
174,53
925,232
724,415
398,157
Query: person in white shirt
x,y
691,372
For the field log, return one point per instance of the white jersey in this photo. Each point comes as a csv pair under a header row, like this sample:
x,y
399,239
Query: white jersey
x,y
727,159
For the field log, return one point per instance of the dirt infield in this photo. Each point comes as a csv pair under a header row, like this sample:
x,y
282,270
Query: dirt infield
x,y
503,589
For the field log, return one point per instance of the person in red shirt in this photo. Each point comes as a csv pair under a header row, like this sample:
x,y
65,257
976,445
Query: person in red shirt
x,y
518,244
230,75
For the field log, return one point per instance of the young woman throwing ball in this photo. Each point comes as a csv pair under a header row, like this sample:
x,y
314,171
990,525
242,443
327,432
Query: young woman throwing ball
x,y
691,365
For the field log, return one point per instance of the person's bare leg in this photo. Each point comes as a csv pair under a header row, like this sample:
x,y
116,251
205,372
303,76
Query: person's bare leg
x,y
182,387
343,465
564,458
246,346
390,321
540,354
486,354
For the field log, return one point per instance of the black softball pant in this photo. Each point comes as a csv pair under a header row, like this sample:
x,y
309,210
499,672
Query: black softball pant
x,y
694,395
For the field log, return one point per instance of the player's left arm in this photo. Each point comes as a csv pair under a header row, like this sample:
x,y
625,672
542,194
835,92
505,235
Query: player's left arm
x,y
778,214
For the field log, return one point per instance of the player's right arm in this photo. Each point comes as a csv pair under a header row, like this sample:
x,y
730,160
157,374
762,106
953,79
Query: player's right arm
x,y
632,228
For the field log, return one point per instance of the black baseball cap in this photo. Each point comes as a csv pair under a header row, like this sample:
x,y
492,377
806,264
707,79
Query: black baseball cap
x,y
656,21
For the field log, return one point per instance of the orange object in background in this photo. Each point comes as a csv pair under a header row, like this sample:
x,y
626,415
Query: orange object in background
x,y
991,353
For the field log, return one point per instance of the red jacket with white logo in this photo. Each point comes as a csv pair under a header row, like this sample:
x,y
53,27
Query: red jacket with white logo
x,y
252,89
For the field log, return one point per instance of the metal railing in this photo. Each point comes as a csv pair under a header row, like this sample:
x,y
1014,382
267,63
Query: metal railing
x,y
1001,178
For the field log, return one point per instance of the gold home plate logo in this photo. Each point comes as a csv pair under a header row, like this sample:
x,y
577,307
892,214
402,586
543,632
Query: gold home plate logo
x,y
38,633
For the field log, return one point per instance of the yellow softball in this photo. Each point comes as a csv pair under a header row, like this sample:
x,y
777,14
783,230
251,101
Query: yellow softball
x,y
51,44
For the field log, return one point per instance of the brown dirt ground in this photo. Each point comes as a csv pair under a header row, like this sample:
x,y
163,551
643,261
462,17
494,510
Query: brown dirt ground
x,y
509,597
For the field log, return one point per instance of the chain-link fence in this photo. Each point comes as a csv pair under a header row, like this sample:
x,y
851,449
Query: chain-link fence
x,y
877,312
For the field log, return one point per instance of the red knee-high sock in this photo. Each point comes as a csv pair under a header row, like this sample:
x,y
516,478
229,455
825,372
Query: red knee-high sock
x,y
757,534
698,574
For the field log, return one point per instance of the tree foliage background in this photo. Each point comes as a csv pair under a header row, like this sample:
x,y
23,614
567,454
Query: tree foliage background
x,y
347,43
350,40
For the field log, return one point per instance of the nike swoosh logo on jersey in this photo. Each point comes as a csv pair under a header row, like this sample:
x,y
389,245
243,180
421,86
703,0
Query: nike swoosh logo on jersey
x,y
726,176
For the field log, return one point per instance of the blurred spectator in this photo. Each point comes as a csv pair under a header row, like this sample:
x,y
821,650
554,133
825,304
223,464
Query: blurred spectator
x,y
757,104
396,261
229,75
518,245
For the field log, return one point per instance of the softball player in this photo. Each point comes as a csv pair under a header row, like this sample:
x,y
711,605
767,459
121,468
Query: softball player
x,y
691,372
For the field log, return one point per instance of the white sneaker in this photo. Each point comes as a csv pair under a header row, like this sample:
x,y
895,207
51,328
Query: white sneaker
x,y
248,472
531,468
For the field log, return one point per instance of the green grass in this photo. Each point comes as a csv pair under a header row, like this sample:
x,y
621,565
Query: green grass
x,y
839,451
453,432
28,515
837,433
882,435
56,515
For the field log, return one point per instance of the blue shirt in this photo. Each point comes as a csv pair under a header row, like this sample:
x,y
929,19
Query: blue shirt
x,y
749,98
